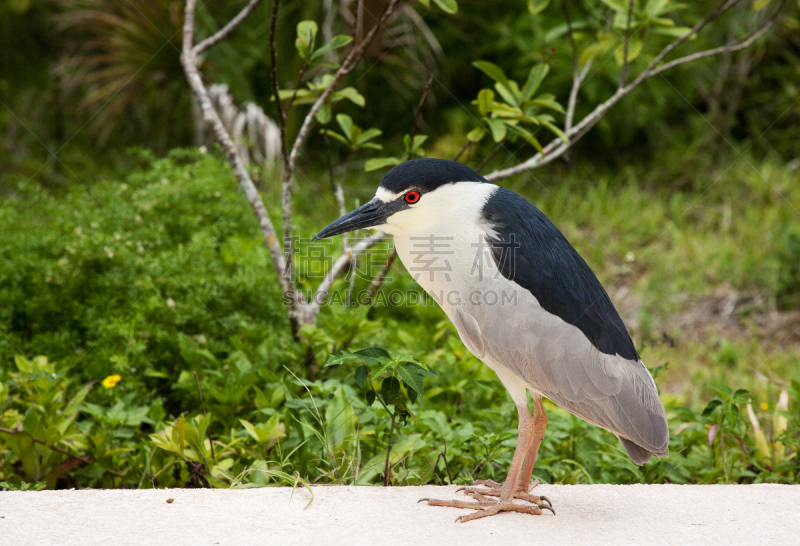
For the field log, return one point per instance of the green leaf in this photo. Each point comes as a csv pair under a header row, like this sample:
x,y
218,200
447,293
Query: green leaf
x,y
369,134
653,7
306,35
722,390
476,135
599,48
426,3
390,388
350,94
616,5
548,101
336,42
758,5
493,71
731,415
335,135
535,78
419,140
675,32
485,101
711,406
634,48
361,375
556,131
370,396
412,378
447,6
340,422
527,135
559,30
741,396
324,114
498,128
510,92
373,352
535,7
380,163
346,123
179,431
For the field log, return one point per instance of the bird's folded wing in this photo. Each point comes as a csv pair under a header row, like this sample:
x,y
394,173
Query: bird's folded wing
x,y
556,360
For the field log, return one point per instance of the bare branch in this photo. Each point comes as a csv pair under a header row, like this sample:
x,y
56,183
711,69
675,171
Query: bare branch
x,y
223,33
556,148
626,65
466,145
381,276
419,111
746,42
311,310
491,154
274,77
189,62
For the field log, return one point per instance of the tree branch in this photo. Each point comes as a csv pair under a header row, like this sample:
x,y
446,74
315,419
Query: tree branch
x,y
626,66
223,33
556,148
189,62
381,276
311,310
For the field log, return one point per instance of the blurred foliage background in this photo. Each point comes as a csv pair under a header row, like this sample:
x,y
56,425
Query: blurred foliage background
x,y
133,278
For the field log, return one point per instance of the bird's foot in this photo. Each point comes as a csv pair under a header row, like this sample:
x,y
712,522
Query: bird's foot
x,y
493,489
486,506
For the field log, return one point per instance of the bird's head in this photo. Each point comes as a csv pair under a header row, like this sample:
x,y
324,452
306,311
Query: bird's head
x,y
413,195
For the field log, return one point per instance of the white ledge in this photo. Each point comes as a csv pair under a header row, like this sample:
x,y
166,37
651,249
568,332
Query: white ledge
x,y
586,514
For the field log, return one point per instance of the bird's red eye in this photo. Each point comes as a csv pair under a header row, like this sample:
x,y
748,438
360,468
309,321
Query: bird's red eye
x,y
411,197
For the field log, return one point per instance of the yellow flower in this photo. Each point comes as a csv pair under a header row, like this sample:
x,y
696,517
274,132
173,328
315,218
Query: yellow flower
x,y
111,381
764,406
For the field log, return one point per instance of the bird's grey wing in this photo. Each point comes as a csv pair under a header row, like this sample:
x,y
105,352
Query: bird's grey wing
x,y
556,360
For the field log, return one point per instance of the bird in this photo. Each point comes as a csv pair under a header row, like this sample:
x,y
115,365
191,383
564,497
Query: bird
x,y
525,303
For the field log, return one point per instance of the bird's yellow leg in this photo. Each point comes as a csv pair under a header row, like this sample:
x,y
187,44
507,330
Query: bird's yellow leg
x,y
488,506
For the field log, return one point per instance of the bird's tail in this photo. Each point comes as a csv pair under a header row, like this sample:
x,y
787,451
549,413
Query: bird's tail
x,y
639,455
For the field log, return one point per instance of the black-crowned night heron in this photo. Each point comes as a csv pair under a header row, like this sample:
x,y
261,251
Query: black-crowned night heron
x,y
525,303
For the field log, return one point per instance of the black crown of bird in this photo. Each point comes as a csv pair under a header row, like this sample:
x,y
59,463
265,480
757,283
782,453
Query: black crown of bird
x,y
559,337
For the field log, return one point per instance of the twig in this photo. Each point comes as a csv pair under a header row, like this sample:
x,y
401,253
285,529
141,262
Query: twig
x,y
205,413
223,33
419,111
626,66
486,159
443,454
466,145
12,432
378,280
387,477
296,89
312,309
578,74
557,148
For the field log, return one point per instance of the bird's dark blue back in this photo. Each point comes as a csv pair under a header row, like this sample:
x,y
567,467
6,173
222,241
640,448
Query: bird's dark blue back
x,y
532,252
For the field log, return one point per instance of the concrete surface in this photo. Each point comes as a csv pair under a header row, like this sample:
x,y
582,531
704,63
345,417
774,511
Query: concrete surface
x,y
587,514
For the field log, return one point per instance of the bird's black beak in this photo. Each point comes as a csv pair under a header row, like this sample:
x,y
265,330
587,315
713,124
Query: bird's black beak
x,y
373,213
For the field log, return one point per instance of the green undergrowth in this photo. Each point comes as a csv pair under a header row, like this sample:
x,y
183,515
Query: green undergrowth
x,y
145,292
